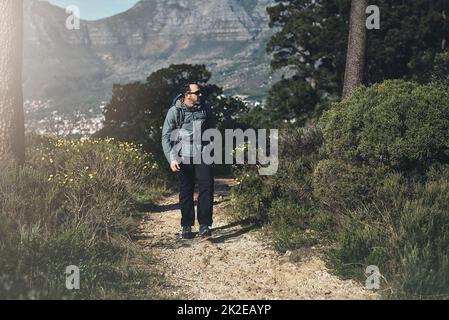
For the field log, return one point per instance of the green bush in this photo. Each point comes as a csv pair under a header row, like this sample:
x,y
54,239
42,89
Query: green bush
x,y
401,125
284,203
73,204
341,186
251,197
440,74
395,126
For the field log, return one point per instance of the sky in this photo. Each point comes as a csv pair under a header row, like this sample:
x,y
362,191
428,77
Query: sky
x,y
97,9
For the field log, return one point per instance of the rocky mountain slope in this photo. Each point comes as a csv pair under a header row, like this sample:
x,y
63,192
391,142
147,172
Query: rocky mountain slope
x,y
79,67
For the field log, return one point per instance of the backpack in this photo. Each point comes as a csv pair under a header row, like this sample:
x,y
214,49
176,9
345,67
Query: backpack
x,y
180,113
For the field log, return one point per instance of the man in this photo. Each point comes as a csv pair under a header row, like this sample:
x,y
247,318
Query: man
x,y
189,114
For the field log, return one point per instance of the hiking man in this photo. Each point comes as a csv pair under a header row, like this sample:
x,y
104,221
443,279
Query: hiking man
x,y
187,114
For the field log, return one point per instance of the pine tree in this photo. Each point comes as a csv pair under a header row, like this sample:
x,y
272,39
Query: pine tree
x,y
355,59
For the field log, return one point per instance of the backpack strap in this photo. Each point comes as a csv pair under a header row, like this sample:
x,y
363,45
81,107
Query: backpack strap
x,y
177,102
180,113
180,116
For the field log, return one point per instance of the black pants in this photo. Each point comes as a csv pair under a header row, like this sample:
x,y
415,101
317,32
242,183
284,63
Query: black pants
x,y
204,174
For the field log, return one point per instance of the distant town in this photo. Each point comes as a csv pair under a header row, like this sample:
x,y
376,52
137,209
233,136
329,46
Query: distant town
x,y
77,124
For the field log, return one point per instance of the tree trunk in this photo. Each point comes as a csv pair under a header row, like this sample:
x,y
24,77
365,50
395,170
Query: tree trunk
x,y
12,128
355,60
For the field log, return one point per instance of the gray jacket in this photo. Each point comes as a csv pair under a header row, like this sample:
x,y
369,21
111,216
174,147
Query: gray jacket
x,y
201,114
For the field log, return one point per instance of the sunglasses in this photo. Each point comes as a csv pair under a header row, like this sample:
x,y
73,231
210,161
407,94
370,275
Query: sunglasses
x,y
197,93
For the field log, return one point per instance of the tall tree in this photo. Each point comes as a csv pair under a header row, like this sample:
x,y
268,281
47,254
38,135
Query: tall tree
x,y
355,58
312,41
12,136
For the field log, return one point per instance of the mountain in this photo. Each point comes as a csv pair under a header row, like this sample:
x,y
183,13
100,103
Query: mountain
x,y
76,68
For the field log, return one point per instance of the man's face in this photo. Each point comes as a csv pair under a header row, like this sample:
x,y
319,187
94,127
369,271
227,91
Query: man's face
x,y
194,95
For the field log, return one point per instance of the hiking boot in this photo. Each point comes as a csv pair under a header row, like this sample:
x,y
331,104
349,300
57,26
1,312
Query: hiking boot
x,y
204,231
187,233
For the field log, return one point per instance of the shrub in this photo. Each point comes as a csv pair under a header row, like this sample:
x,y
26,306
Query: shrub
x,y
401,125
342,186
395,126
285,202
251,197
440,74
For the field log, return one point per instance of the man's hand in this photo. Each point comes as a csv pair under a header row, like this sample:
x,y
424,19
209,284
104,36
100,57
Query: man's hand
x,y
174,166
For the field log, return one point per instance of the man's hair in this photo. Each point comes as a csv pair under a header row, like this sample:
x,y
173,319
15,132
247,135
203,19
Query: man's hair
x,y
185,88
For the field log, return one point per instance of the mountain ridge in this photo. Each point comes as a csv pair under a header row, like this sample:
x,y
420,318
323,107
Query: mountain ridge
x,y
78,67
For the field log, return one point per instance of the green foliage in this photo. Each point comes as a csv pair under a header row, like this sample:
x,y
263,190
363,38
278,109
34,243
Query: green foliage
x,y
228,111
385,172
407,237
312,43
251,205
293,224
341,186
293,100
78,210
284,203
401,125
119,169
258,118
440,74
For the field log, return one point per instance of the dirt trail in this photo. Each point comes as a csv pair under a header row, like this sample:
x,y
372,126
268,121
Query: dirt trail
x,y
235,263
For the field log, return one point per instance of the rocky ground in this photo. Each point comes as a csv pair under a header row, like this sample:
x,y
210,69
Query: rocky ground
x,y
236,262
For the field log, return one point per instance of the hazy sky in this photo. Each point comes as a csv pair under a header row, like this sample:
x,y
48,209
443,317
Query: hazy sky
x,y
97,9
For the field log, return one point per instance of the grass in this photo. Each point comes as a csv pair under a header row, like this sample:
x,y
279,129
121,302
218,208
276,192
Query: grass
x,y
75,203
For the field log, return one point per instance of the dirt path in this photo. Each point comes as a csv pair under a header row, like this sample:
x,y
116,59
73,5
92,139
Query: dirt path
x,y
235,263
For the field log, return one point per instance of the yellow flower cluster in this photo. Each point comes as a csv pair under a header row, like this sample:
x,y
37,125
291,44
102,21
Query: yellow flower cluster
x,y
240,179
64,159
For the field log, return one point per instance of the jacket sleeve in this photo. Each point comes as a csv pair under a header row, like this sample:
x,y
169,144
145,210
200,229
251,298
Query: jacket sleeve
x,y
167,129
